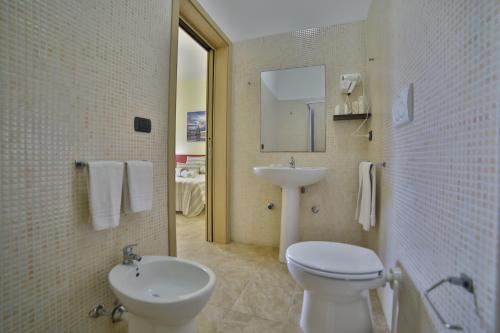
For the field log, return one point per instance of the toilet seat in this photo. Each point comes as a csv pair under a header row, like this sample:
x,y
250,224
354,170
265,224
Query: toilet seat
x,y
336,260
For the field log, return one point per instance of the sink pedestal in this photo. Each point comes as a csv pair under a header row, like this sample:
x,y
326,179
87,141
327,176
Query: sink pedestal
x,y
289,235
137,324
290,179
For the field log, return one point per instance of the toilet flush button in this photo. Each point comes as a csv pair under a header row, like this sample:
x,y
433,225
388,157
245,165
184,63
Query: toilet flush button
x,y
402,107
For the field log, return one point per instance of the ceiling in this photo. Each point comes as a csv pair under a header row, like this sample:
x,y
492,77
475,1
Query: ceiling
x,y
245,19
192,58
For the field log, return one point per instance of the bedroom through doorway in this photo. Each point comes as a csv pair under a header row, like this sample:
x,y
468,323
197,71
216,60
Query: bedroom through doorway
x,y
191,141
197,150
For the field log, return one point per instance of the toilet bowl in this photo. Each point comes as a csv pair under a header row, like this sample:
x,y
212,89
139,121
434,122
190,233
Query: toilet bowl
x,y
336,278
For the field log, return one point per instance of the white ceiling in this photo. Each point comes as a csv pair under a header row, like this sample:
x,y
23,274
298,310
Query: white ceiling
x,y
244,19
192,58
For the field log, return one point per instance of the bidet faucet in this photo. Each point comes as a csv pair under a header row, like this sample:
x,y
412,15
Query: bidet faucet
x,y
291,162
129,256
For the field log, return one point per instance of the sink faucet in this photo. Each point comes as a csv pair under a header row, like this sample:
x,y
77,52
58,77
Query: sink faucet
x,y
129,256
291,163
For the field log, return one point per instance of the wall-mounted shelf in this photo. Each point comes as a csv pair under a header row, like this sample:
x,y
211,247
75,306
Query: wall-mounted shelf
x,y
351,116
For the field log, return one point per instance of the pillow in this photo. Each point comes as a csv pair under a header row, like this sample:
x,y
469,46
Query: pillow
x,y
193,163
188,174
196,160
189,167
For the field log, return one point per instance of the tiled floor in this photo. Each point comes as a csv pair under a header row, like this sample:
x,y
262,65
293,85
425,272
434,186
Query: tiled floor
x,y
254,292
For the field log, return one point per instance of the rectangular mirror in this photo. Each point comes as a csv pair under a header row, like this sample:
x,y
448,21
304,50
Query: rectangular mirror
x,y
293,112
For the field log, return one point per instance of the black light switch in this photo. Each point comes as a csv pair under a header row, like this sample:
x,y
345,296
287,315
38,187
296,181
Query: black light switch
x,y
142,125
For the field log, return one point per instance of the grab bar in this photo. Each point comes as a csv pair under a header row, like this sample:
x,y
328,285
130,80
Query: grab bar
x,y
465,282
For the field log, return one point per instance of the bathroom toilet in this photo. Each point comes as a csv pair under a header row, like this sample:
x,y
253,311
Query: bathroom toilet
x,y
336,278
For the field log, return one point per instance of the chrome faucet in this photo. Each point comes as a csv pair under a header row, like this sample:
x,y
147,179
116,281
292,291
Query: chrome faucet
x,y
129,256
291,162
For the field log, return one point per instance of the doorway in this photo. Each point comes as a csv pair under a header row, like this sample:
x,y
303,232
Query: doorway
x,y
190,20
191,184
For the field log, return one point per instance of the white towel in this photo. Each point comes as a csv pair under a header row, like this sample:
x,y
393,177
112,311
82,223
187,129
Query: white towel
x,y
138,189
105,182
365,208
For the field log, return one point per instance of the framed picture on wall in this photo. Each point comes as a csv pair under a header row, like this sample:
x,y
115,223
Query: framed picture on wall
x,y
196,126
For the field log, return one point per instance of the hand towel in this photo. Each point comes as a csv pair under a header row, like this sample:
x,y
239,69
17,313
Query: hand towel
x,y
105,182
365,207
138,189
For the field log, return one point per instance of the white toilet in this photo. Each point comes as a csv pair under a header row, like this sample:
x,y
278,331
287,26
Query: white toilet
x,y
336,278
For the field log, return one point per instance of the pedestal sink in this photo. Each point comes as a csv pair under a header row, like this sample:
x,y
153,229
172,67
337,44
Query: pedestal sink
x,y
291,179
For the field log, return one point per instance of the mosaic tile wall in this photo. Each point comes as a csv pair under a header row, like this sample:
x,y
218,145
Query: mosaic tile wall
x,y
439,194
341,48
73,74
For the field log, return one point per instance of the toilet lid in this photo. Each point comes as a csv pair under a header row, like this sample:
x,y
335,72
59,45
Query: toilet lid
x,y
333,257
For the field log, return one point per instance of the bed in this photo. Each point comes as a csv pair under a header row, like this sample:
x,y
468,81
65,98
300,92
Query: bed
x,y
190,189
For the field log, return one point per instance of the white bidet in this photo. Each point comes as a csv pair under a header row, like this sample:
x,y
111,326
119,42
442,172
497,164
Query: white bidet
x,y
162,294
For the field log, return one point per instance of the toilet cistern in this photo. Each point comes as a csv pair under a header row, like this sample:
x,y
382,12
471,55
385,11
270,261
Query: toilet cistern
x,y
290,179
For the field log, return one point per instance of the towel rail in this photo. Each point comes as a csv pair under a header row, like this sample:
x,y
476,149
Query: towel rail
x,y
83,164
382,164
80,164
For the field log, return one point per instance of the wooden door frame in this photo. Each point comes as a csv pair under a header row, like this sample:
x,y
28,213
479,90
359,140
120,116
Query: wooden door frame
x,y
192,14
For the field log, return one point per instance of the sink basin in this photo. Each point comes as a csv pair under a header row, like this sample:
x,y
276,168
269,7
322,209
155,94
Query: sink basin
x,y
290,180
162,293
290,177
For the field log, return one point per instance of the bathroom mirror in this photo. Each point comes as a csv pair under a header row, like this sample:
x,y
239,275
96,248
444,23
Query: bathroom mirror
x,y
293,113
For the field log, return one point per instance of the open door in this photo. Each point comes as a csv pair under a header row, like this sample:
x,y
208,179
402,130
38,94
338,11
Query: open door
x,y
189,15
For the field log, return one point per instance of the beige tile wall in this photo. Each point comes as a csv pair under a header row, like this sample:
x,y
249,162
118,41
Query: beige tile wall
x,y
73,74
439,202
342,49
